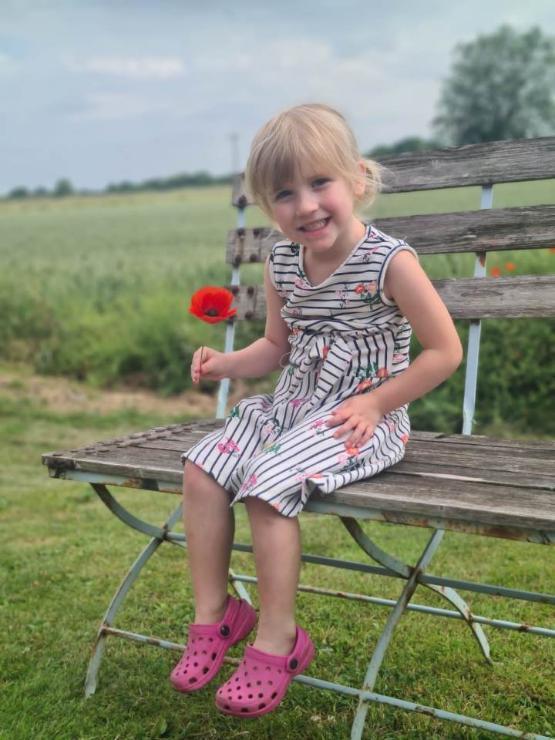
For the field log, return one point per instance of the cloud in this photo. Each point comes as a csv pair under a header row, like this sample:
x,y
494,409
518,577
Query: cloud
x,y
139,68
8,65
113,106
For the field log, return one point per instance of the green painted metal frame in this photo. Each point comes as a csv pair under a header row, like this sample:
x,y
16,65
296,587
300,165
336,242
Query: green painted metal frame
x,y
413,576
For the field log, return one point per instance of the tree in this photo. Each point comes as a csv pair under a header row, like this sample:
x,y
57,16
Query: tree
x,y
500,87
62,188
18,192
408,144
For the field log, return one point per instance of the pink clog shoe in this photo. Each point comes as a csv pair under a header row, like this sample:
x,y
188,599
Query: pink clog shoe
x,y
207,645
261,680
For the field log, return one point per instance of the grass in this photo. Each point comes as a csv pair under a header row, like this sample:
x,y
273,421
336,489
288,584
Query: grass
x,y
63,554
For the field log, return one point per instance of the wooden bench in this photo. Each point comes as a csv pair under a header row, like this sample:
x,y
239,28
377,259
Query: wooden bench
x,y
462,482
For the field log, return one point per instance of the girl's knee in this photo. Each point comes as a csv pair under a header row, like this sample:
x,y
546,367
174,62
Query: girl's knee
x,y
261,510
196,479
191,473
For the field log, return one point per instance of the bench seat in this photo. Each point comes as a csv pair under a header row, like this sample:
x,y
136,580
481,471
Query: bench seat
x,y
469,483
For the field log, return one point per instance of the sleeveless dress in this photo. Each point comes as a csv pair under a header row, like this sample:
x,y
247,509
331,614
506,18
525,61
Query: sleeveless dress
x,y
346,338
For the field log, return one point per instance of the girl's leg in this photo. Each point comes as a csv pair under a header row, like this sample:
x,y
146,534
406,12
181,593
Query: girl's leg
x,y
277,552
209,527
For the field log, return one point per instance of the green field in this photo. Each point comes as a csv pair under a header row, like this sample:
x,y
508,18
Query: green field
x,y
97,289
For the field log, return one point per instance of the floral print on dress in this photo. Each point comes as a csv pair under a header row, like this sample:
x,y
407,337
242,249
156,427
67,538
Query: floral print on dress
x,y
302,475
228,447
273,426
292,367
349,457
296,402
369,375
274,448
301,279
249,483
342,295
319,427
368,254
368,292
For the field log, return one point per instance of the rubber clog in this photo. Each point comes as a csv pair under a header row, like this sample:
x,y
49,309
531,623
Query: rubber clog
x,y
262,679
207,645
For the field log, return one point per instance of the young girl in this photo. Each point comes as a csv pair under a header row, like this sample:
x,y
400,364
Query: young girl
x,y
342,299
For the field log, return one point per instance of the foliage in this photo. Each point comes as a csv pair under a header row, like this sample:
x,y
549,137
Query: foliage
x,y
500,87
62,188
408,144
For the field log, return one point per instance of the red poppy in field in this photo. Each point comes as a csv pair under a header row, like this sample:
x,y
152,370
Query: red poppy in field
x,y
510,266
495,272
212,304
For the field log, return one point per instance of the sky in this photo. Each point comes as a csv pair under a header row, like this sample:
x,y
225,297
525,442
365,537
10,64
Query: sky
x,y
102,91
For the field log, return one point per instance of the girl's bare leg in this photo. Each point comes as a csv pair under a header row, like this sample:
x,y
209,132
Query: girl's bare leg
x,y
209,525
277,552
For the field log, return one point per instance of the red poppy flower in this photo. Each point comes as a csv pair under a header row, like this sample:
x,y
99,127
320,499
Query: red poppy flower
x,y
510,266
495,272
212,304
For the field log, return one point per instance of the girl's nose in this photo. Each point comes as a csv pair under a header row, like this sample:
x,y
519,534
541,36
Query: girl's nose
x,y
306,202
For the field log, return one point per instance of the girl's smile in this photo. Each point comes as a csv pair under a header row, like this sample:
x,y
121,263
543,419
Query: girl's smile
x,y
315,228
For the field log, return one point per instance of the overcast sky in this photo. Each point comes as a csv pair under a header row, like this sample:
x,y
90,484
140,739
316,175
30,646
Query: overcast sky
x,y
106,90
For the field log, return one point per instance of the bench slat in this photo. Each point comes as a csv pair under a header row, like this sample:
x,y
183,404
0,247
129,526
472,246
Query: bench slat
x,y
419,460
456,475
530,296
496,506
472,164
489,230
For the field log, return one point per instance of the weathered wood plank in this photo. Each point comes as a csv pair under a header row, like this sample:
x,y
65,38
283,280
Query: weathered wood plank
x,y
525,296
492,505
489,230
464,500
478,461
419,461
473,164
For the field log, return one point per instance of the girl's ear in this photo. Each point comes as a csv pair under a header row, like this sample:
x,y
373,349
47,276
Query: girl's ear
x,y
360,182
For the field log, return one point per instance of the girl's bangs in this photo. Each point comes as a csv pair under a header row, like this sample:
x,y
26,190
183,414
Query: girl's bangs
x,y
301,156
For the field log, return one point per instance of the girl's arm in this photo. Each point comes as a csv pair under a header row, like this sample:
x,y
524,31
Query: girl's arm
x,y
265,354
442,353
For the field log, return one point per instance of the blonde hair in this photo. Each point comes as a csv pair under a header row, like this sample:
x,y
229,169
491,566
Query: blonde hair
x,y
312,135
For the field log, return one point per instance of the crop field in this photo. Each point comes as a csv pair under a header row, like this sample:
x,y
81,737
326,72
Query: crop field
x,y
96,288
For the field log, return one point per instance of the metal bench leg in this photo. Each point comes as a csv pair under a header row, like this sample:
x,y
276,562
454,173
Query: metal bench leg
x,y
387,633
404,571
131,576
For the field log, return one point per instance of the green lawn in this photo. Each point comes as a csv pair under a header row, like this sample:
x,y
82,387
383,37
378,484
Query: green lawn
x,y
63,555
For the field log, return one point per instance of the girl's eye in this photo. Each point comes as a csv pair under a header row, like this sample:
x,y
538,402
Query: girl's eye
x,y
320,182
281,194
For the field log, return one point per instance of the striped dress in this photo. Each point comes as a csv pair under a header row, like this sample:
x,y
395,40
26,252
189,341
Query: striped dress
x,y
346,338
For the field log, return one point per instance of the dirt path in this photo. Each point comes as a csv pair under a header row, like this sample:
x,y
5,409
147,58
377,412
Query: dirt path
x,y
66,396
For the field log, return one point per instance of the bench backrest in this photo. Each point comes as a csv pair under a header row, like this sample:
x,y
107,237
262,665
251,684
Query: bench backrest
x,y
480,231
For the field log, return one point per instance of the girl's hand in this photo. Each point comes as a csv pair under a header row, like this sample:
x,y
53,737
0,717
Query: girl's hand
x,y
214,365
359,415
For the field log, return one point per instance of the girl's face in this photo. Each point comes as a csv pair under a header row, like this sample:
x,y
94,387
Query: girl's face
x,y
317,210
